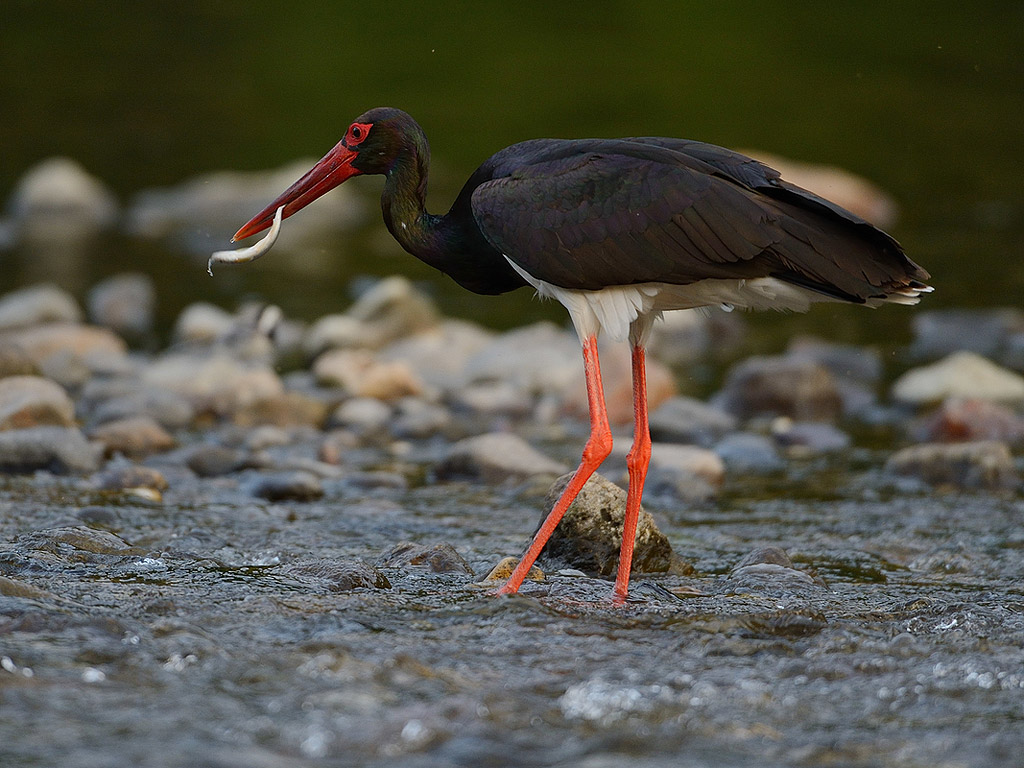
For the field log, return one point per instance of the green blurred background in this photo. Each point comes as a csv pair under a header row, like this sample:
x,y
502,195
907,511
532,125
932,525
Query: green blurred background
x,y
926,99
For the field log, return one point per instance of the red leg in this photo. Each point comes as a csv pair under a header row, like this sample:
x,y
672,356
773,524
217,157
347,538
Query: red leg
x,y
637,460
599,445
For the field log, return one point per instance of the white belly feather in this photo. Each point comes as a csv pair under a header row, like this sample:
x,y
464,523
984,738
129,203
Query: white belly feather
x,y
627,311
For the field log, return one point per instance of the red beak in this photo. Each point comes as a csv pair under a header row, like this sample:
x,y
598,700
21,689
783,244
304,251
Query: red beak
x,y
334,168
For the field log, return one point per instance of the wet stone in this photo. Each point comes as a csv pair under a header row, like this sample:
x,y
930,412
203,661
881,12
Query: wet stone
x,y
94,515
285,409
203,323
438,558
800,389
361,374
363,415
495,458
844,361
131,476
55,346
983,331
216,460
14,361
688,420
32,401
339,576
289,486
133,436
504,568
745,452
984,464
57,449
808,438
416,418
125,303
962,375
959,420
38,304
684,471
589,536
769,566
110,399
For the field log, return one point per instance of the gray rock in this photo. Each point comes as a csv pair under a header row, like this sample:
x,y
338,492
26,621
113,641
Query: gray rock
x,y
340,576
746,452
984,464
289,486
133,436
32,401
131,477
110,399
537,359
219,382
53,347
770,567
38,304
986,332
416,418
58,192
800,389
216,460
15,361
681,338
57,449
844,361
688,420
360,373
391,309
684,471
440,354
808,438
493,398
589,536
203,323
496,457
962,375
363,415
957,421
438,558
125,303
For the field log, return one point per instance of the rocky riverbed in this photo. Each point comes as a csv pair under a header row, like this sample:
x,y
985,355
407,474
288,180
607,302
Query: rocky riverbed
x,y
266,542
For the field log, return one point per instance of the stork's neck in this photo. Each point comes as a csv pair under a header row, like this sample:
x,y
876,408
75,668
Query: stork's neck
x,y
403,205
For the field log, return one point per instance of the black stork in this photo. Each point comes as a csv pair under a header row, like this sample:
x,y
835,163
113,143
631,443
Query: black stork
x,y
618,231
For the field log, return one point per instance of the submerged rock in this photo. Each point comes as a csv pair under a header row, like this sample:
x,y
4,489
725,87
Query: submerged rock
x,y
985,464
963,375
340,576
439,558
495,458
589,536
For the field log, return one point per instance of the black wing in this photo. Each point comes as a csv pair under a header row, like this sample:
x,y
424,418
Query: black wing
x,y
590,214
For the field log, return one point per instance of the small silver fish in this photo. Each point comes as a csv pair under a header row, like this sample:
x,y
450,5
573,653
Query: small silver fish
x,y
251,253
